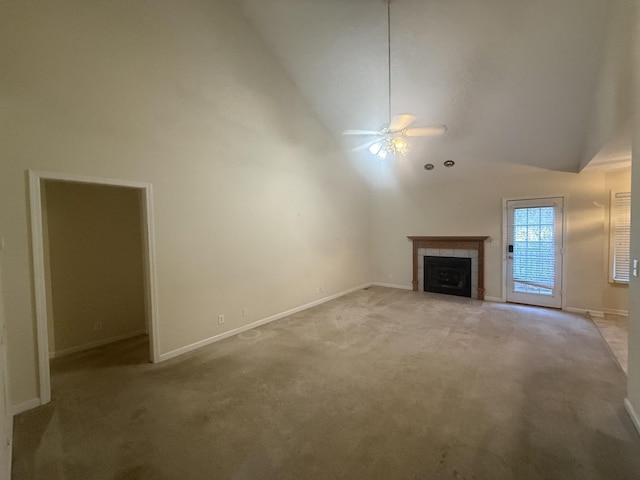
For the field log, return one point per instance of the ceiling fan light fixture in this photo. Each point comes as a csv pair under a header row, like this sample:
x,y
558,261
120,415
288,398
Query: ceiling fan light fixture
x,y
392,138
375,148
389,146
400,145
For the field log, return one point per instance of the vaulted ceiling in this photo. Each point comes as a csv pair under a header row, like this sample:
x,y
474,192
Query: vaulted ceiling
x,y
513,80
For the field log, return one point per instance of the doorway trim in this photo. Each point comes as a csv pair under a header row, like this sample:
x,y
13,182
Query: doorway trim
x,y
565,243
37,244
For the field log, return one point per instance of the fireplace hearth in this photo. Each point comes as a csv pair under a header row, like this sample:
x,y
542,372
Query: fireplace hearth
x,y
449,275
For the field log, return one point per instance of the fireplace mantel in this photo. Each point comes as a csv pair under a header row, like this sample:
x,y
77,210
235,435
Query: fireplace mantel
x,y
453,243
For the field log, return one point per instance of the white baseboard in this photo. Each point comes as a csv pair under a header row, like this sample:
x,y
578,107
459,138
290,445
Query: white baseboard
x,y
494,299
575,310
597,313
24,406
584,311
97,343
258,323
632,413
392,285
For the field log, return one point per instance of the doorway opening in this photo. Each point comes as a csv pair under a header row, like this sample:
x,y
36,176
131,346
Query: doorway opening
x,y
94,265
534,231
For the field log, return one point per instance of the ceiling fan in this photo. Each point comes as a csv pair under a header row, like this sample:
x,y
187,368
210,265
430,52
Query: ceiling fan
x,y
392,138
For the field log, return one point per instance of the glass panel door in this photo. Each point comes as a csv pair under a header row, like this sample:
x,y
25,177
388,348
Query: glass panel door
x,y
534,252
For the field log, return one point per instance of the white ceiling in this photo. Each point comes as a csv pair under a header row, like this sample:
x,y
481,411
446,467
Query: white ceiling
x,y
512,79
616,155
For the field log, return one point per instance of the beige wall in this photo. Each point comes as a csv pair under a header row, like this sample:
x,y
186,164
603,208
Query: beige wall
x,y
96,263
475,208
633,373
612,111
254,205
51,333
615,296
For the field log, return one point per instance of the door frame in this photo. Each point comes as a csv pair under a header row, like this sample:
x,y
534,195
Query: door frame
x,y
6,420
565,247
36,179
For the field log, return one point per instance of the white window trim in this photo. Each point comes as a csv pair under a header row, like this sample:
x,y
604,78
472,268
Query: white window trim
x,y
612,238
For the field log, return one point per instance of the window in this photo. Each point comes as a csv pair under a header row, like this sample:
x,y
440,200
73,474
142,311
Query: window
x,y
619,237
534,250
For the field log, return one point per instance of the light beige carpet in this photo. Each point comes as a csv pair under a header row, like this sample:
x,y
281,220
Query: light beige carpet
x,y
380,384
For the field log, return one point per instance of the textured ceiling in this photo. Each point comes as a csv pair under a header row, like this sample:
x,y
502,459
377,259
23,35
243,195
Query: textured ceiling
x,y
616,154
512,79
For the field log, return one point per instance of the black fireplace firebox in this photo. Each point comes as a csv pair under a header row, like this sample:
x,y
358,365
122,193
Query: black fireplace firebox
x,y
450,275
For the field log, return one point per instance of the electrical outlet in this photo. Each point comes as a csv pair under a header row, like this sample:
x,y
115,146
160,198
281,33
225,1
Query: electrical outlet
x,y
97,326
390,276
220,319
245,312
321,288
317,289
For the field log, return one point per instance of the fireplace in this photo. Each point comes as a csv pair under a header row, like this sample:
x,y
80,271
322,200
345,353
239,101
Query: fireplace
x,y
450,275
457,247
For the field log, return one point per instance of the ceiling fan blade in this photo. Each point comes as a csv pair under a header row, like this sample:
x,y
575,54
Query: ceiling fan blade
x,y
360,132
366,145
425,131
400,122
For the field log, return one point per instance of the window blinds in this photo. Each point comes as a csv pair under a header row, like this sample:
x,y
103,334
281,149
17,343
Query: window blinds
x,y
534,250
621,233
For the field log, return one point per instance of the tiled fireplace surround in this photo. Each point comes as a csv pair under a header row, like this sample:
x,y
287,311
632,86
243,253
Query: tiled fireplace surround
x,y
460,247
